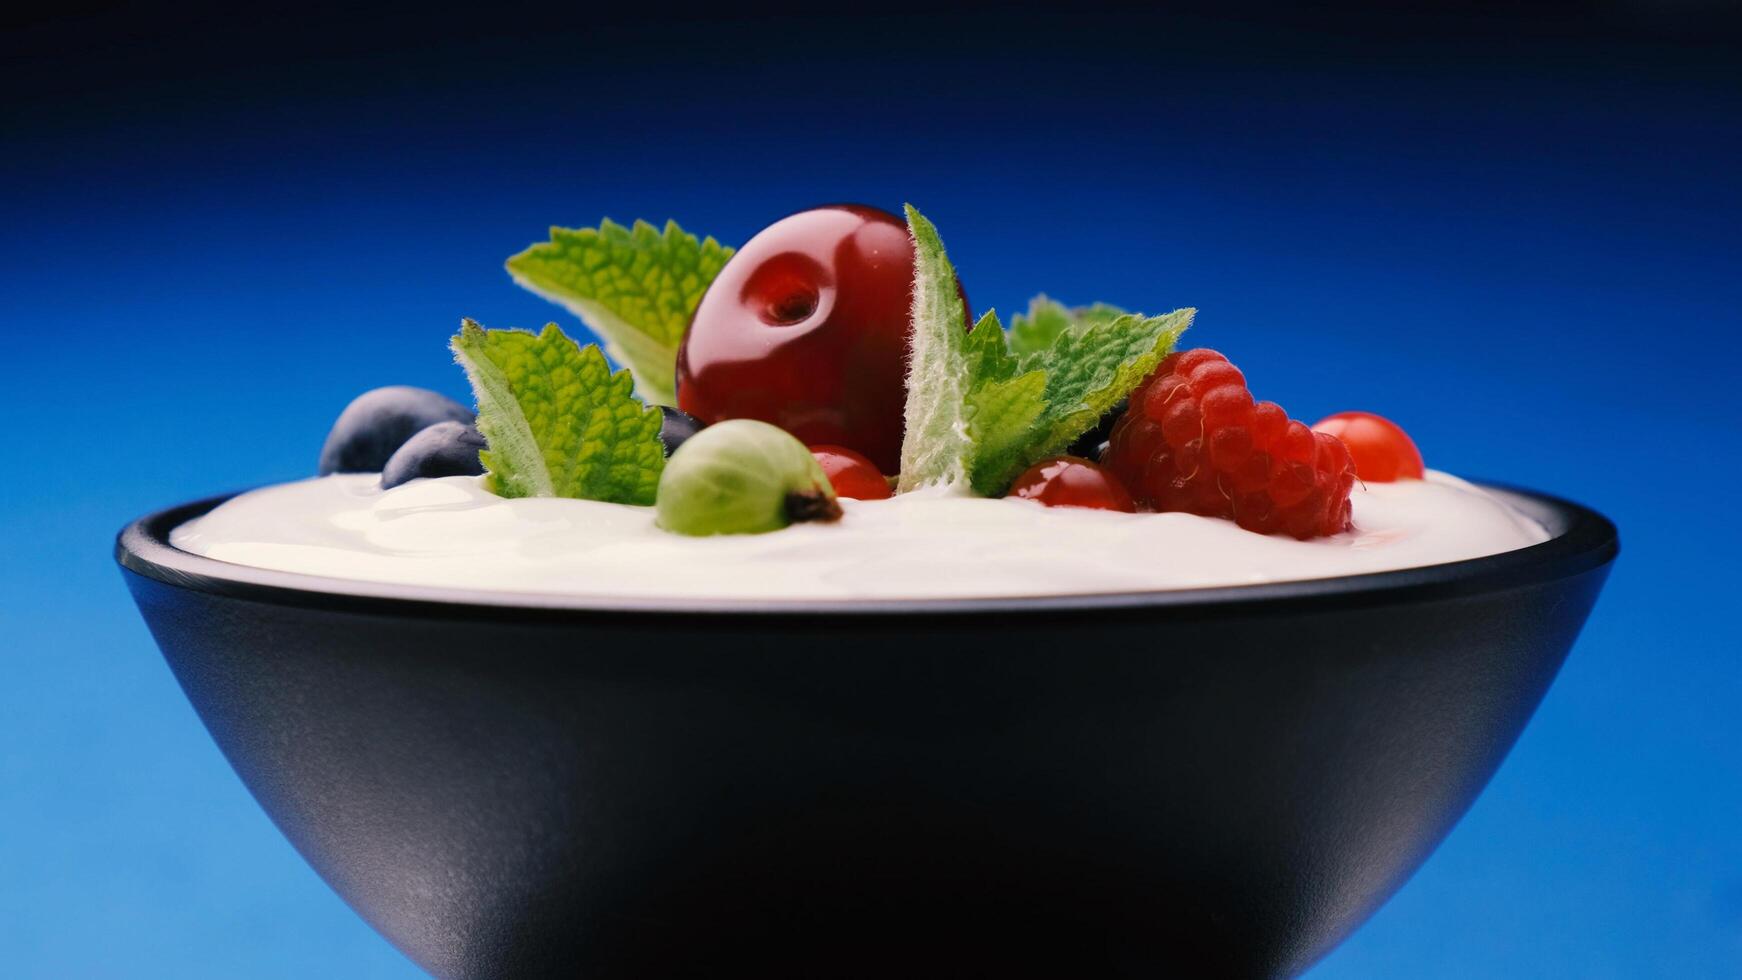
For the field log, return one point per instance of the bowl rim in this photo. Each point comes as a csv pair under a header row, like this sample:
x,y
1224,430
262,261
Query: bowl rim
x,y
1580,540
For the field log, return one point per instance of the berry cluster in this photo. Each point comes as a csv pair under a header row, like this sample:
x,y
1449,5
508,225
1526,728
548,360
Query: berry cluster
x,y
808,329
1194,441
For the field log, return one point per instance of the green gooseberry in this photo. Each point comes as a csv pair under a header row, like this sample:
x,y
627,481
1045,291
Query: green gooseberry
x,y
741,476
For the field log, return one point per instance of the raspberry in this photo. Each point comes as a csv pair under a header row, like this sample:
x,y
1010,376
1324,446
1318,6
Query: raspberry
x,y
1193,440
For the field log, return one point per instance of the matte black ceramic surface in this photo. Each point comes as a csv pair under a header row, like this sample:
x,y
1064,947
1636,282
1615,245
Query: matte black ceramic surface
x,y
1208,783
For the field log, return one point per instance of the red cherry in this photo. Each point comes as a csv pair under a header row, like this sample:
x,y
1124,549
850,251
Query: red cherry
x,y
851,474
1382,451
1066,481
806,328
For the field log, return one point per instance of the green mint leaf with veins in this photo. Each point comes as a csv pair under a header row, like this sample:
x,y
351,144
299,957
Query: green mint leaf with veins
x,y
635,288
1004,401
1047,318
971,404
983,406
988,351
937,449
1088,370
1002,416
558,422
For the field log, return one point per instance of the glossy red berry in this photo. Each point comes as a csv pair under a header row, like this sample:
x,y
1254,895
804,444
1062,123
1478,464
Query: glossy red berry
x,y
1066,481
1382,451
851,474
1194,440
806,327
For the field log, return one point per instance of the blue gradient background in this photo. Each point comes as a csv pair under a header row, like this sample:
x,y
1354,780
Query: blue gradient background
x,y
1518,237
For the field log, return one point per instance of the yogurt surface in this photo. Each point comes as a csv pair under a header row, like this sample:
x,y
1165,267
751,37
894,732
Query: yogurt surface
x,y
451,533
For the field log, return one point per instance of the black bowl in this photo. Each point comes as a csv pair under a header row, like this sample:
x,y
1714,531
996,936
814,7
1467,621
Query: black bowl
x,y
1217,782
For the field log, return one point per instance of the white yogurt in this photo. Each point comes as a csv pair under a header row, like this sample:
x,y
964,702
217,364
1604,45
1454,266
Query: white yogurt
x,y
451,533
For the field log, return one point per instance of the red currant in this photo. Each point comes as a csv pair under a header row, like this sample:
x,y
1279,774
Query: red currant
x,y
851,474
1066,481
1382,451
806,327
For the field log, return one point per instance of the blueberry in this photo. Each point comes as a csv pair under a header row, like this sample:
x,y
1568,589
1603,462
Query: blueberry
x,y
378,422
1089,444
677,428
443,449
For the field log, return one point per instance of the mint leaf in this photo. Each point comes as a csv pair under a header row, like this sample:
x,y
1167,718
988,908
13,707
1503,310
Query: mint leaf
x,y
1002,415
1047,318
1087,370
1036,330
988,351
558,422
937,448
1091,370
983,407
1003,401
635,288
